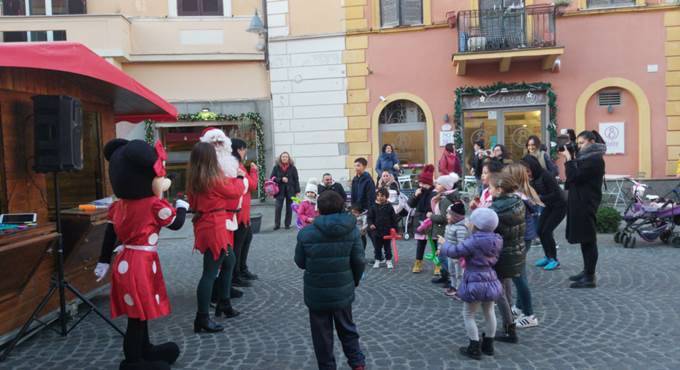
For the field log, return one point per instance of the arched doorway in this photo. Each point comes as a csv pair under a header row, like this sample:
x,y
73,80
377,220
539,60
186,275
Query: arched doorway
x,y
403,124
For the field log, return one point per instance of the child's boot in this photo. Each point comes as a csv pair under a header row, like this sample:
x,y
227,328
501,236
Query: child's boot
x,y
487,345
473,350
509,334
417,267
437,270
442,279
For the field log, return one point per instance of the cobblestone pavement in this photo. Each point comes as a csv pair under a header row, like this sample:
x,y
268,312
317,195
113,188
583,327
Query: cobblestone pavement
x,y
631,321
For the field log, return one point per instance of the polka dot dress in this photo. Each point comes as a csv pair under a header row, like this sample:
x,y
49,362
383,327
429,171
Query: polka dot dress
x,y
137,285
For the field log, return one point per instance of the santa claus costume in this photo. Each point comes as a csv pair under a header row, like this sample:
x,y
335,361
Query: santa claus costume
x,y
137,174
214,224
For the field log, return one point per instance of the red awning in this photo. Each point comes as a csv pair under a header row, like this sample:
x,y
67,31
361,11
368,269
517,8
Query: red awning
x,y
131,100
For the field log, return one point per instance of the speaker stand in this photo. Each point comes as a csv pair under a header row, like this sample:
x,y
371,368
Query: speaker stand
x,y
58,285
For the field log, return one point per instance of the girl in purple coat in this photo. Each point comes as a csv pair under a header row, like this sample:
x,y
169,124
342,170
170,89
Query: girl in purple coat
x,y
480,286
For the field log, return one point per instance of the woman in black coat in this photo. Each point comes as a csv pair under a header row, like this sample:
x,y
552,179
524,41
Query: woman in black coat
x,y
555,208
585,174
286,177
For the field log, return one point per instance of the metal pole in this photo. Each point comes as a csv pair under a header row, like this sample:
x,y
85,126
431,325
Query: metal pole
x,y
60,258
266,34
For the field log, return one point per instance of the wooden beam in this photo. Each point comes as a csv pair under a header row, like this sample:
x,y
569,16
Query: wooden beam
x,y
504,64
549,62
460,68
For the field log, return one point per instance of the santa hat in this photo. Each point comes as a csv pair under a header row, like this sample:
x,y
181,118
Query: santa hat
x,y
312,186
448,181
427,176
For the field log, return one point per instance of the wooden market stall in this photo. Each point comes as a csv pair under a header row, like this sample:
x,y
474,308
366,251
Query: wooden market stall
x,y
107,96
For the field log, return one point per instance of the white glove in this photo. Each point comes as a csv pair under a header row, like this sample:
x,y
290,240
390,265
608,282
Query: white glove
x,y
179,203
101,270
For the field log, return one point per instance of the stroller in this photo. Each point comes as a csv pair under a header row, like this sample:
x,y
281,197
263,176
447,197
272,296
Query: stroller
x,y
406,213
654,219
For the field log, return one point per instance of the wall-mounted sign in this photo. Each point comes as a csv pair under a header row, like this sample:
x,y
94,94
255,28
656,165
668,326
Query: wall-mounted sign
x,y
614,135
445,137
505,100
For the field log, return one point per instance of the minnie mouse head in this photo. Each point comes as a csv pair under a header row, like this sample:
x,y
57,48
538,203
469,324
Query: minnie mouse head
x,y
136,169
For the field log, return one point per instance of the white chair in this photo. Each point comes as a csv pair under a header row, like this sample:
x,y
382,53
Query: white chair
x,y
615,189
404,181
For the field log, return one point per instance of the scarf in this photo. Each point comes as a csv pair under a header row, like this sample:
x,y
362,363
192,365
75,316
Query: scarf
x,y
284,167
592,150
540,155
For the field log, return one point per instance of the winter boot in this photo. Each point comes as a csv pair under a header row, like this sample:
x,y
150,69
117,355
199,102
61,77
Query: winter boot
x,y
417,267
473,350
437,270
487,345
442,279
224,307
578,276
235,293
587,281
241,283
203,323
166,352
247,275
509,334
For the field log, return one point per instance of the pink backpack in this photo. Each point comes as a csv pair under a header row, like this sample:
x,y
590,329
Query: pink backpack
x,y
271,188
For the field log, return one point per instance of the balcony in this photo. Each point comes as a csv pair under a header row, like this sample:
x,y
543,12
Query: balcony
x,y
505,35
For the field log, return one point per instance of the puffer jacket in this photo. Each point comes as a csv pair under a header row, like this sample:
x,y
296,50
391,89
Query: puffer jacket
x,y
439,220
332,256
512,227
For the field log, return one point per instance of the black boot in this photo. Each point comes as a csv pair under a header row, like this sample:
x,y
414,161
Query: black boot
x,y
473,350
238,282
203,323
143,365
442,279
578,276
235,293
509,335
487,345
224,307
247,275
166,352
587,281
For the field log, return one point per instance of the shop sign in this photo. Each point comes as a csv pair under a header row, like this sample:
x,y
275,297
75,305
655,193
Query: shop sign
x,y
614,135
505,100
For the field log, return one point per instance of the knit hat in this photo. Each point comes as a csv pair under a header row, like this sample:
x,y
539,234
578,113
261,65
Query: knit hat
x,y
457,208
312,186
427,176
484,219
448,181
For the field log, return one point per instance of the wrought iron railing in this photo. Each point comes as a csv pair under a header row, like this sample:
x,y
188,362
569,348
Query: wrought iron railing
x,y
506,29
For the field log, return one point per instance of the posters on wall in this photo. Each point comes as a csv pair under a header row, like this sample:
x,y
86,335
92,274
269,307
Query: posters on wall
x,y
445,137
614,135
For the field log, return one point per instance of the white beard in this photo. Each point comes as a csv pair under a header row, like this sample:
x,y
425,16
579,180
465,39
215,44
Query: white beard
x,y
228,163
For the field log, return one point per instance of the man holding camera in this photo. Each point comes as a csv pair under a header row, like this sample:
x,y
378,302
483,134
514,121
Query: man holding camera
x,y
585,171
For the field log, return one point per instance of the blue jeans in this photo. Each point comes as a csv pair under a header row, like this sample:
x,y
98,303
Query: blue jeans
x,y
522,284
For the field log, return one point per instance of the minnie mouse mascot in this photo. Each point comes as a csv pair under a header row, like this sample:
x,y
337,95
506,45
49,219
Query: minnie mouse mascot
x,y
137,174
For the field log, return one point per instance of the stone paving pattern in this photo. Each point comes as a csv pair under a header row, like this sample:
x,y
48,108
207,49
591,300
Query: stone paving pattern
x,y
631,321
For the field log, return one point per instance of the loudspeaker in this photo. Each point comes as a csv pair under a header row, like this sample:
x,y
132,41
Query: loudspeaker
x,y
58,128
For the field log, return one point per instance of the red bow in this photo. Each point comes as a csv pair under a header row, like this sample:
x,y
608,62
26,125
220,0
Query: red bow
x,y
159,166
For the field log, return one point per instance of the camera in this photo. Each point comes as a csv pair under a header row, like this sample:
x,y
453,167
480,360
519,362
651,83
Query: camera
x,y
567,141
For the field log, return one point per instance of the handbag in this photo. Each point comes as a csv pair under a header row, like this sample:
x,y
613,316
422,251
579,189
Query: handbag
x,y
271,188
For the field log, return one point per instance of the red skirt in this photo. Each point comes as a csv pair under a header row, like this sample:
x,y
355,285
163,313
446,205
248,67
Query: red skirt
x,y
211,234
137,285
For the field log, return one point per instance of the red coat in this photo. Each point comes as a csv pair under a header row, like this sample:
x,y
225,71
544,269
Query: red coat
x,y
210,228
137,285
449,163
244,215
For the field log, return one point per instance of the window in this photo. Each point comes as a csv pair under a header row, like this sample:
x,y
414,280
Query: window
x,y
199,7
395,13
33,36
42,7
609,3
402,124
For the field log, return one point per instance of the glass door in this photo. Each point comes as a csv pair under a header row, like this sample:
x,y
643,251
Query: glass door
x,y
517,127
479,125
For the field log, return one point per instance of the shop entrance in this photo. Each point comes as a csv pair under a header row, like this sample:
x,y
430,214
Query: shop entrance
x,y
403,125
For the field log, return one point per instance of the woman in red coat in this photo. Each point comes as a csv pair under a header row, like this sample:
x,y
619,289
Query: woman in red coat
x,y
449,162
214,199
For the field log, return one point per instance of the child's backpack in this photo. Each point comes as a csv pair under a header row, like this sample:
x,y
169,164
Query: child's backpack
x,y
271,188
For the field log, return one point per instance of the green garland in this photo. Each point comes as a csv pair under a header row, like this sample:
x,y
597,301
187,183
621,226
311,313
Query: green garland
x,y
250,117
148,132
511,87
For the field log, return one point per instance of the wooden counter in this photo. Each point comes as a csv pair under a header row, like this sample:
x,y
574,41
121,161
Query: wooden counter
x,y
27,264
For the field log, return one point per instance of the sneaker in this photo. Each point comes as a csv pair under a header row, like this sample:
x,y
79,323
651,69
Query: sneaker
x,y
451,292
524,322
376,264
389,264
542,262
552,265
516,311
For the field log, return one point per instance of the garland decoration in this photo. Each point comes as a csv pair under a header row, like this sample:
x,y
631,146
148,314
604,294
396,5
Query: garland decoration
x,y
245,120
510,88
148,132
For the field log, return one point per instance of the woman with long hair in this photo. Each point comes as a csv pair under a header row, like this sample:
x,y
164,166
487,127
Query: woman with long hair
x,y
388,181
524,307
534,148
212,195
286,177
500,154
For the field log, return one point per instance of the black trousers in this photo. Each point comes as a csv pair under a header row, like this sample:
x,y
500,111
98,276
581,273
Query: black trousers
x,y
363,241
380,244
547,223
279,207
321,323
589,252
420,249
242,238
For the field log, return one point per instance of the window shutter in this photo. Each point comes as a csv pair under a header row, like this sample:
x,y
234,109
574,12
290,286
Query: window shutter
x,y
411,12
188,7
389,13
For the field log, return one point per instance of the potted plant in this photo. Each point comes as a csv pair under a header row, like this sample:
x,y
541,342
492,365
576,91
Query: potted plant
x,y
561,6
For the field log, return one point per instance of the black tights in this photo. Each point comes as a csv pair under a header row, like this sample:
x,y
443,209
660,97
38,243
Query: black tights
x,y
589,252
136,340
420,251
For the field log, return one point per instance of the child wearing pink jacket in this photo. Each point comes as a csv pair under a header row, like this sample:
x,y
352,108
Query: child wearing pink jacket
x,y
308,210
